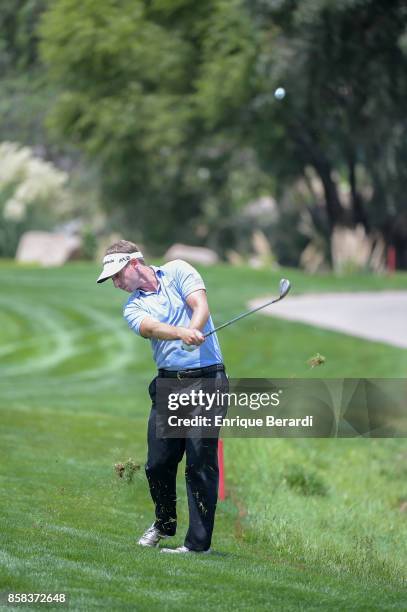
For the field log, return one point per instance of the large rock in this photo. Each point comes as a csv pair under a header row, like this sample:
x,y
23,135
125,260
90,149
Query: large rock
x,y
198,255
47,249
264,209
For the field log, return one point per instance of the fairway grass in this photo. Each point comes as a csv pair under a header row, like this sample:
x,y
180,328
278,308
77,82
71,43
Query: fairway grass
x,y
308,524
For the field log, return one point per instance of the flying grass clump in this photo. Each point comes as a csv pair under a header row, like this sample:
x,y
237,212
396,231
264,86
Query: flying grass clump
x,y
127,470
316,360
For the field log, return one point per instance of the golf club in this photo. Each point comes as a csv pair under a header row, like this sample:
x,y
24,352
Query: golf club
x,y
284,287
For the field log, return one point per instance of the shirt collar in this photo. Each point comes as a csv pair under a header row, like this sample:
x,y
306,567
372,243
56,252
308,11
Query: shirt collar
x,y
159,273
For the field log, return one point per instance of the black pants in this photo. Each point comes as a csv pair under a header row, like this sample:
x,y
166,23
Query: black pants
x,y
201,475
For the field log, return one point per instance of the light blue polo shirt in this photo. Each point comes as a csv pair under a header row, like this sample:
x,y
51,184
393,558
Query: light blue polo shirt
x,y
177,279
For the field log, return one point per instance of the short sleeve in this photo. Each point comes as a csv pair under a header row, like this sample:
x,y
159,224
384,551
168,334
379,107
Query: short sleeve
x,y
134,316
187,278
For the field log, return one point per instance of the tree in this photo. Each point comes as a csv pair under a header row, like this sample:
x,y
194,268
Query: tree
x,y
24,94
173,98
131,74
344,66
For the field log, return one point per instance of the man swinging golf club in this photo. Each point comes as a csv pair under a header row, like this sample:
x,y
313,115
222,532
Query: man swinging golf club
x,y
168,305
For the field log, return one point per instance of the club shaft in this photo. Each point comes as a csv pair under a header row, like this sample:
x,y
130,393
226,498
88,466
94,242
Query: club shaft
x,y
245,314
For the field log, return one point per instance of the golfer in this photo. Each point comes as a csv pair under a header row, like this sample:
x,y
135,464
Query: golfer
x,y
168,305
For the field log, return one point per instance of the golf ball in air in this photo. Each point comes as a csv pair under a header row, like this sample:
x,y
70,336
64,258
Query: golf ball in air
x,y
279,94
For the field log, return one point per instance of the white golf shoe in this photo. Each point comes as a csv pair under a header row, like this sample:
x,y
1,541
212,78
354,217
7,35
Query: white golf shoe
x,y
152,537
183,550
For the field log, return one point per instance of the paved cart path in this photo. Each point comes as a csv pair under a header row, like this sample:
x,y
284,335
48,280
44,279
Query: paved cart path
x,y
379,316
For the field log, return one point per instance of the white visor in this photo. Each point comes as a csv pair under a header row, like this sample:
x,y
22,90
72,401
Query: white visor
x,y
115,262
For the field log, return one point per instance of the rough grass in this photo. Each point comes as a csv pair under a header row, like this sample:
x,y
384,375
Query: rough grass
x,y
308,524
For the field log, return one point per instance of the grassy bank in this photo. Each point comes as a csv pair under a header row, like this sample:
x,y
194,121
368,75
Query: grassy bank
x,y
308,523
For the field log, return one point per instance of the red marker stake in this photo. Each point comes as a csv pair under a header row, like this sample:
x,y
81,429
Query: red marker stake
x,y
221,491
391,259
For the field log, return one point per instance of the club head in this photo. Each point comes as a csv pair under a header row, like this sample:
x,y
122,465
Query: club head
x,y
285,287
